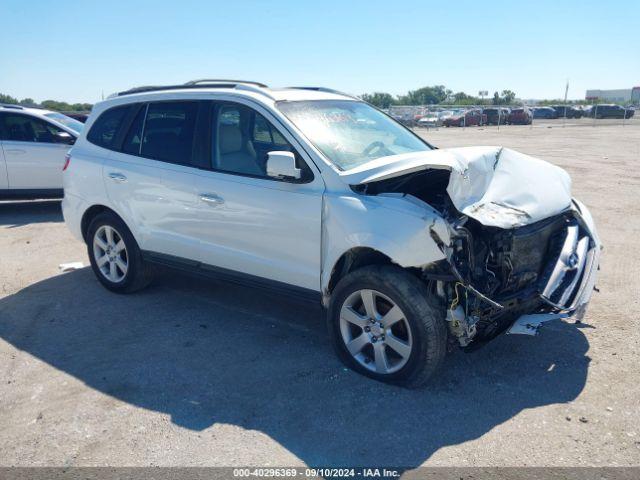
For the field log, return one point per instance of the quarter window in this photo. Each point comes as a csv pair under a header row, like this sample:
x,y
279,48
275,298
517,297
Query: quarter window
x,y
103,131
133,140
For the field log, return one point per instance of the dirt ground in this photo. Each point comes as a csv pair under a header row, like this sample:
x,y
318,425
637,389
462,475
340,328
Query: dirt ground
x,y
191,372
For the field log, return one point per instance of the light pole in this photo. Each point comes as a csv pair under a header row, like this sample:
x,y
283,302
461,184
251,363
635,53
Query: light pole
x,y
482,94
566,90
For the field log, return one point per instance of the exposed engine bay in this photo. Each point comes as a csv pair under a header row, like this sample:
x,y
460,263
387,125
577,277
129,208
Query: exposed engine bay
x,y
493,275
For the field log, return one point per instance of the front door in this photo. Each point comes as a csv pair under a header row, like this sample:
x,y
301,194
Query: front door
x,y
34,152
4,183
252,223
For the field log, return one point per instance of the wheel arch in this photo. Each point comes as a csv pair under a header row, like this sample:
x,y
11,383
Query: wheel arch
x,y
351,260
91,213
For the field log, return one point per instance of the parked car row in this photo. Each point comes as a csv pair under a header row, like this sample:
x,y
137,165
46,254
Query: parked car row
x,y
609,111
474,116
510,116
579,111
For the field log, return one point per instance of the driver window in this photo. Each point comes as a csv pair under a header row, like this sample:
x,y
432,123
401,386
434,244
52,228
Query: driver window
x,y
242,140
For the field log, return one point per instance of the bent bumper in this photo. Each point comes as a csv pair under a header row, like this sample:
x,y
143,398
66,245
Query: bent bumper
x,y
573,277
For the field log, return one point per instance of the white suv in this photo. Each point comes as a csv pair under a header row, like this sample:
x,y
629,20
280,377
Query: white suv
x,y
33,145
313,192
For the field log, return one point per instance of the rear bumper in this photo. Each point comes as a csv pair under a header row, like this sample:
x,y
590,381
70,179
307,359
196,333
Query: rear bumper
x,y
73,207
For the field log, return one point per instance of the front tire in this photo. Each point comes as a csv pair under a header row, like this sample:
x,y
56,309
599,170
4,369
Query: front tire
x,y
115,256
384,324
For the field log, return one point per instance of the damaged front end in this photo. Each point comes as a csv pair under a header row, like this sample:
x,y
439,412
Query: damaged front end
x,y
509,263
526,275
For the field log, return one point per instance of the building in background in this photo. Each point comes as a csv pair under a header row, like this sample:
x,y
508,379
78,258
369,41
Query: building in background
x,y
624,95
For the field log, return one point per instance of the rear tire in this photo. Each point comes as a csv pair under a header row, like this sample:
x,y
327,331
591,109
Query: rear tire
x,y
115,256
398,336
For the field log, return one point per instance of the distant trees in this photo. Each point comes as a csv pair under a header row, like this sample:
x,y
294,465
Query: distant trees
x,y
7,99
462,98
436,94
28,102
48,104
506,98
379,99
64,106
425,96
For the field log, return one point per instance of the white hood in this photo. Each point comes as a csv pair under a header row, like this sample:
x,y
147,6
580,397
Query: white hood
x,y
496,186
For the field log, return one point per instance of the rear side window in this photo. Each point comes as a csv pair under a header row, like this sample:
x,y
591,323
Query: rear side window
x,y
169,131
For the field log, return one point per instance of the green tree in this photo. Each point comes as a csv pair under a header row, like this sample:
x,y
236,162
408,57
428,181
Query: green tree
x,y
379,99
48,104
425,96
55,105
82,107
8,99
28,102
461,98
508,96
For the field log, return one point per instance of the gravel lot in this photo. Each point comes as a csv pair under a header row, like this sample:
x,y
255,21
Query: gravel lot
x,y
191,372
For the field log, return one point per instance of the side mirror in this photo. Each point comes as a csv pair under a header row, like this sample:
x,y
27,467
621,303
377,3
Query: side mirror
x,y
66,138
281,164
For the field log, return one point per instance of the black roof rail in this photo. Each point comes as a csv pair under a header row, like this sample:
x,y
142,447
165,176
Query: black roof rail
x,y
12,105
218,80
194,84
324,89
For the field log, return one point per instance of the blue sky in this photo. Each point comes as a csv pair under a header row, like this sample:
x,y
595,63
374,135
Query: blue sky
x,y
75,50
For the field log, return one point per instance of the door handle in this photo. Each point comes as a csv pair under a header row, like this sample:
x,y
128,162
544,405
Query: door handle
x,y
117,177
211,198
16,151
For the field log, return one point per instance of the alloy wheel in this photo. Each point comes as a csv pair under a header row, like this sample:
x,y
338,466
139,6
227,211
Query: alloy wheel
x,y
375,331
110,253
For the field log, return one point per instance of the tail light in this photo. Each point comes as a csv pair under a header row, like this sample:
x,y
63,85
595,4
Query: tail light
x,y
67,160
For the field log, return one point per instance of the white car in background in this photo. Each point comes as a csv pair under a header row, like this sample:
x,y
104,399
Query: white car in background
x,y
312,192
430,120
33,145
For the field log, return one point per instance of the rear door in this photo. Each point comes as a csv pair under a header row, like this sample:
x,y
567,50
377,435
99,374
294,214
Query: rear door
x,y
150,179
34,151
4,183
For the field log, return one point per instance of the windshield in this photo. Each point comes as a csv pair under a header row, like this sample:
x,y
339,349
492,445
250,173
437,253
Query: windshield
x,y
73,124
350,133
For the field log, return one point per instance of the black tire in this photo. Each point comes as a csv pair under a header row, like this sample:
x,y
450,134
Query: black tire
x,y
139,274
426,320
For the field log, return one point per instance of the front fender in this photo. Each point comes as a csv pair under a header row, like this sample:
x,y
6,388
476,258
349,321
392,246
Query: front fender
x,y
398,226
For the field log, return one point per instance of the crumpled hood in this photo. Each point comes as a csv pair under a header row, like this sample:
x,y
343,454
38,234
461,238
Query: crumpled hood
x,y
496,186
